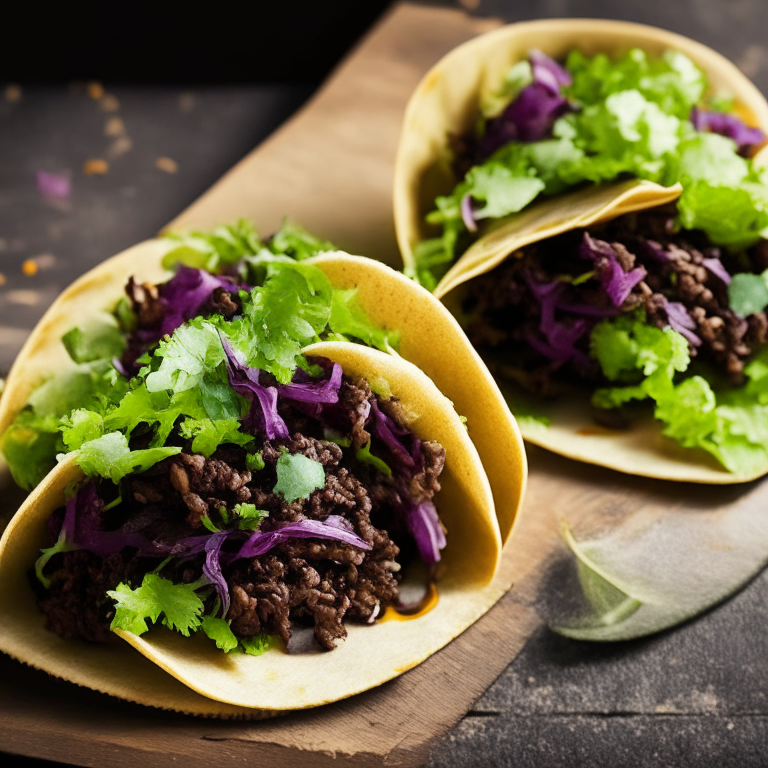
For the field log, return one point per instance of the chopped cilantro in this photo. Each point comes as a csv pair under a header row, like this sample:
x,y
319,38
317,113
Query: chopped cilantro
x,y
254,461
218,630
748,293
258,644
298,476
364,454
179,605
109,456
249,517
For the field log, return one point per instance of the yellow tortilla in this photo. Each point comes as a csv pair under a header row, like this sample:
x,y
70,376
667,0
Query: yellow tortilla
x,y
448,99
429,337
235,684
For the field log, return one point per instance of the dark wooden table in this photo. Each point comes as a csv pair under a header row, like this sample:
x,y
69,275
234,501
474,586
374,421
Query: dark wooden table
x,y
696,696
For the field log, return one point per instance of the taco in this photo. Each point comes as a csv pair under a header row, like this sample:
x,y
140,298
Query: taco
x,y
258,477
576,295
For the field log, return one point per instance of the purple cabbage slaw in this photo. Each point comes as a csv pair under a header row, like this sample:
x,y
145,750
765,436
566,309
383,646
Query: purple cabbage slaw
x,y
532,114
560,337
182,298
729,125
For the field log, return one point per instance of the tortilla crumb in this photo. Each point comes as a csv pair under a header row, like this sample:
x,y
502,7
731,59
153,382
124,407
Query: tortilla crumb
x,y
166,164
95,167
3,279
95,90
13,93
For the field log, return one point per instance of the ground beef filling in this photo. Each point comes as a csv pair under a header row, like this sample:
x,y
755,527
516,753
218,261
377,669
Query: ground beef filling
x,y
505,311
306,581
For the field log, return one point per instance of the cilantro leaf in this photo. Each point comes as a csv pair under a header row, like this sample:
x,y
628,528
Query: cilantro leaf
x,y
219,631
364,454
249,517
81,426
110,457
254,461
294,241
258,644
747,294
209,435
180,607
298,476
212,251
348,318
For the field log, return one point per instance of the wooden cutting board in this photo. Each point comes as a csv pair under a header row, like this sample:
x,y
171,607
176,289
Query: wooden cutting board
x,y
331,168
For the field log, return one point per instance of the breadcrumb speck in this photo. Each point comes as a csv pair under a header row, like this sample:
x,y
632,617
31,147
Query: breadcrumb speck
x,y
13,93
95,167
166,164
95,90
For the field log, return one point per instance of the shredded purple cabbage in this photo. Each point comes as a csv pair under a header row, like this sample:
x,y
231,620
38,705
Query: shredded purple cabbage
x,y
681,321
727,125
547,72
212,567
467,214
313,391
715,266
617,283
533,112
424,525
263,416
560,337
53,186
83,525
388,432
186,292
262,541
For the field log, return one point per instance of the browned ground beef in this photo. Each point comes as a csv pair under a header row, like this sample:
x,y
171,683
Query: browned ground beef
x,y
318,583
504,309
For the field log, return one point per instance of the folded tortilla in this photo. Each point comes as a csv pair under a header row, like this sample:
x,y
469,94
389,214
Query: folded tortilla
x,y
203,680
447,102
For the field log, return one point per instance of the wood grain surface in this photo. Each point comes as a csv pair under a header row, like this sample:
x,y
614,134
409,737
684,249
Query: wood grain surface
x,y
330,167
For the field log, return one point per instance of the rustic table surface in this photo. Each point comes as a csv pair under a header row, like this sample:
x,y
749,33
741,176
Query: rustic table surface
x,y
695,696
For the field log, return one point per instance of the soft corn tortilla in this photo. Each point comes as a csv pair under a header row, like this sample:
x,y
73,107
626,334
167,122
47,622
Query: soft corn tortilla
x,y
448,99
430,338
229,685
446,102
